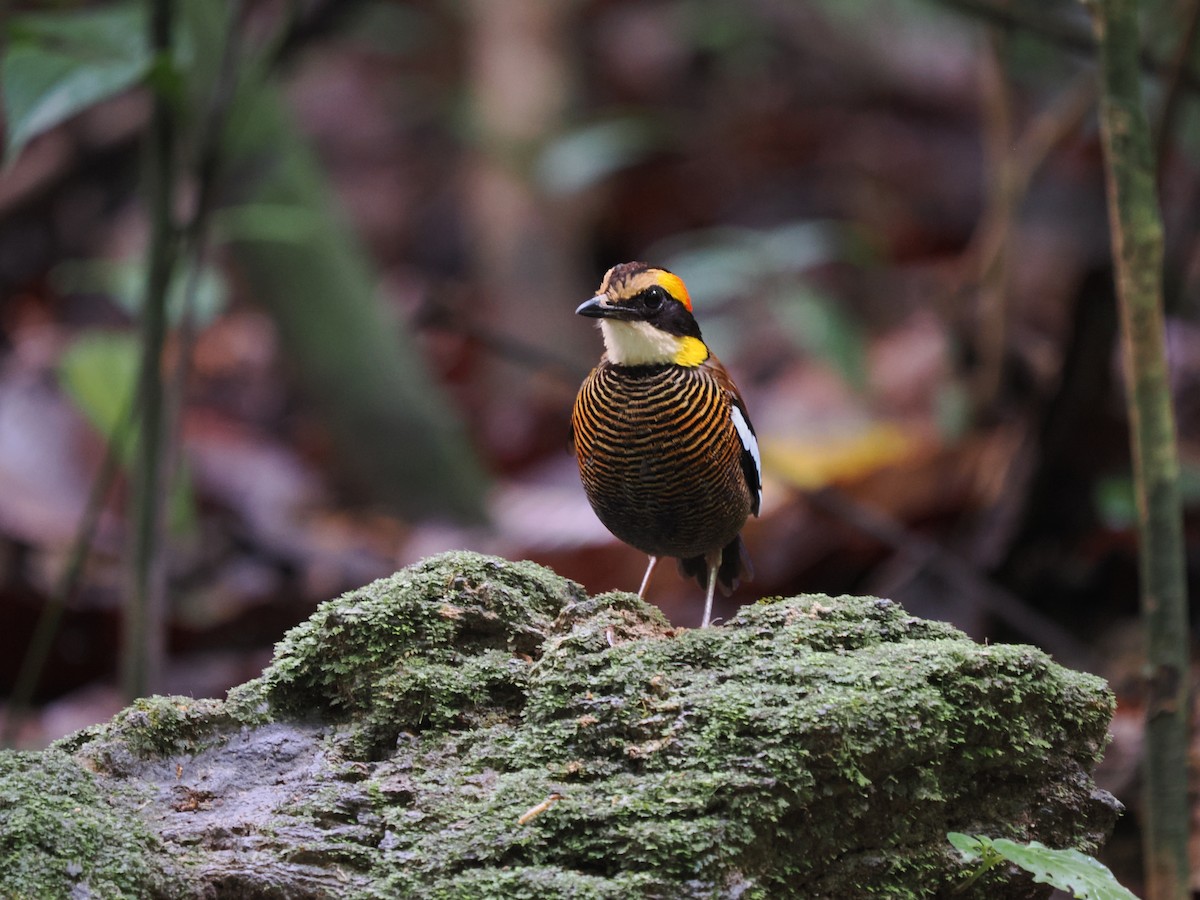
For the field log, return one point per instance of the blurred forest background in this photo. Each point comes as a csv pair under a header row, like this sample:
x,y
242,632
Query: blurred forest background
x,y
890,215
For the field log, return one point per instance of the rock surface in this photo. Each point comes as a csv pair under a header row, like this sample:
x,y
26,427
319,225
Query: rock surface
x,y
473,727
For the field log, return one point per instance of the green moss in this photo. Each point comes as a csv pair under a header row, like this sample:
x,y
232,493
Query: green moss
x,y
744,755
60,836
805,720
152,727
473,727
418,650
530,883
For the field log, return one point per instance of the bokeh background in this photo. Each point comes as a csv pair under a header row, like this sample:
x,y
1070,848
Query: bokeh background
x,y
890,215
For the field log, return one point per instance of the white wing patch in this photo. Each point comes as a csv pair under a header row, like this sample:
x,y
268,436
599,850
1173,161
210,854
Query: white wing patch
x,y
749,444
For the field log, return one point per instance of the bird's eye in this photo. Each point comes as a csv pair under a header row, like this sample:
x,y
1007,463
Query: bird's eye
x,y
654,298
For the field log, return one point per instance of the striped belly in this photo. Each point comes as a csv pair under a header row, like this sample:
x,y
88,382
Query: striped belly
x,y
660,458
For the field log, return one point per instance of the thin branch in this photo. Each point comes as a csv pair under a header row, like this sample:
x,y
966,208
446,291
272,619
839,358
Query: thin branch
x,y
196,234
1173,99
1015,164
302,23
33,663
1053,28
1001,208
1137,247
1062,32
144,647
1062,118
926,554
436,316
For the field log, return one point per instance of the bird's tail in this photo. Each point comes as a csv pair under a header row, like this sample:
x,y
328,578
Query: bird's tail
x,y
735,567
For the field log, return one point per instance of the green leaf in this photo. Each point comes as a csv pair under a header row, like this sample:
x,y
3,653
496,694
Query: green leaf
x,y
726,261
399,432
125,282
1076,873
952,410
586,156
1114,496
1115,501
58,65
823,328
266,222
732,263
99,372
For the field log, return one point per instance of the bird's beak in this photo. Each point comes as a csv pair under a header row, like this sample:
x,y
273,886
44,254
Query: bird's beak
x,y
598,307
601,307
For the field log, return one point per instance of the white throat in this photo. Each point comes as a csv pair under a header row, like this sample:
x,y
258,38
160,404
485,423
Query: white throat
x,y
637,343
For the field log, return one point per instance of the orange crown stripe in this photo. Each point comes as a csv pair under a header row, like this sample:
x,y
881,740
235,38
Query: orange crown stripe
x,y
674,286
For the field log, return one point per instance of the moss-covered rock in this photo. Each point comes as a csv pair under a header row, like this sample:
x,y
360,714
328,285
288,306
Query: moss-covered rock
x,y
472,727
63,834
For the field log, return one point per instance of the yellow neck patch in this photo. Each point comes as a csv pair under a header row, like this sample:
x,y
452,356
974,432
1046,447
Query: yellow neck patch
x,y
641,344
692,351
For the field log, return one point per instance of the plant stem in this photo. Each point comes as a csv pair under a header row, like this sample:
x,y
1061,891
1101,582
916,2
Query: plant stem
x,y
144,649
1137,241
204,170
1174,94
1033,20
33,663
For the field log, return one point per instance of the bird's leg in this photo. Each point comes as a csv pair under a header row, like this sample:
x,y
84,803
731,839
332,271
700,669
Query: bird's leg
x,y
714,563
646,577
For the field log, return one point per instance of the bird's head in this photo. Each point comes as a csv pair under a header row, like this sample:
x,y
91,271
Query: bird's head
x,y
646,317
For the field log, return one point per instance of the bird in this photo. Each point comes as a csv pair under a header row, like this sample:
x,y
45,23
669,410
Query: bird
x,y
667,455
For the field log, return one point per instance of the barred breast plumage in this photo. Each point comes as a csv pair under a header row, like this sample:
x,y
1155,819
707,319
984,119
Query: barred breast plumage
x,y
659,457
667,454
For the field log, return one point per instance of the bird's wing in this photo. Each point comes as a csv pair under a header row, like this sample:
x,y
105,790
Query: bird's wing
x,y
751,459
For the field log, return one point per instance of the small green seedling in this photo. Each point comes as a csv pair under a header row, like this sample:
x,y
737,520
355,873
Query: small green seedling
x,y
1068,870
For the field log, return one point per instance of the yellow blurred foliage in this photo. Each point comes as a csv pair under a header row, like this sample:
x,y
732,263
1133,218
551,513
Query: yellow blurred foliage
x,y
812,464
